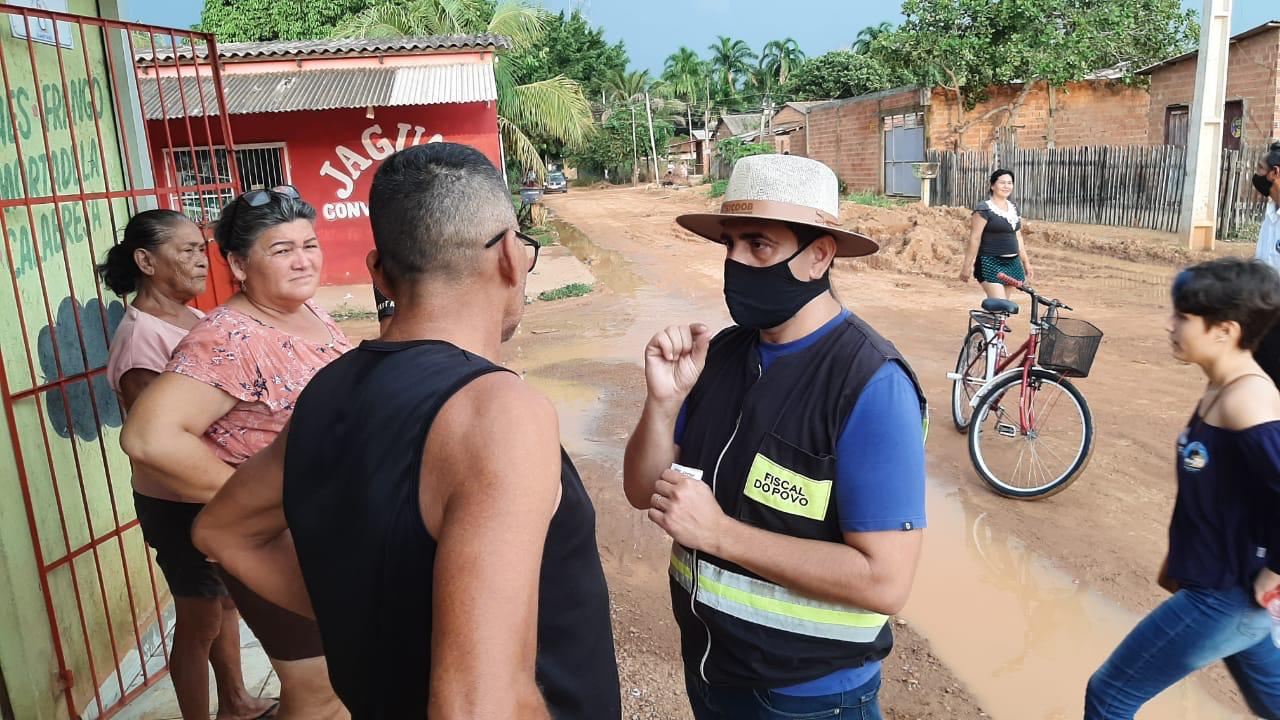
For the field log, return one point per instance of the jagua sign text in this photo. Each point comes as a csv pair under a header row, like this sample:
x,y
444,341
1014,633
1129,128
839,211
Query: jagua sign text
x,y
353,164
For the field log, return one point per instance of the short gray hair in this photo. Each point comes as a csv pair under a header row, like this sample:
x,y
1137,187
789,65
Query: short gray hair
x,y
433,207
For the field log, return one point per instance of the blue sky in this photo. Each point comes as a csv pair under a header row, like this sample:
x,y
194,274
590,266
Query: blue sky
x,y
653,29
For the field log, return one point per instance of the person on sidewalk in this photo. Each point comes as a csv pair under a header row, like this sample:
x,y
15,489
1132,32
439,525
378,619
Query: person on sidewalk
x,y
807,428
1267,182
231,386
419,505
161,261
1224,544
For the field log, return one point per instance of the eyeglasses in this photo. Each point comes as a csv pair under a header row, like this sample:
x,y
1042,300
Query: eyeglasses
x,y
528,242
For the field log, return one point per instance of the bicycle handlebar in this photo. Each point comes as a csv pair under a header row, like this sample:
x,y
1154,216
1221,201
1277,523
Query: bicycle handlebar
x,y
1020,285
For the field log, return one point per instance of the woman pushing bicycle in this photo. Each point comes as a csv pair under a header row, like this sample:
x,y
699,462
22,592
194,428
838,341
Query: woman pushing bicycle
x,y
1224,538
995,240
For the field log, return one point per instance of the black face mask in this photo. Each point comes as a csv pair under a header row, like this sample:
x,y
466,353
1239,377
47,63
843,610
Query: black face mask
x,y
1262,184
760,298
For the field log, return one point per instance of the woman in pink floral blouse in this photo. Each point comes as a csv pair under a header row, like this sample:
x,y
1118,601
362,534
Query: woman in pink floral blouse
x,y
229,389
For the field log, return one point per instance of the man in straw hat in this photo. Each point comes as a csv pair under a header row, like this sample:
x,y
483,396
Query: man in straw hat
x,y
797,502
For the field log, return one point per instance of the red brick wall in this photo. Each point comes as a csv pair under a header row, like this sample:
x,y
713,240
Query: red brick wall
x,y
1253,75
800,142
1084,113
846,135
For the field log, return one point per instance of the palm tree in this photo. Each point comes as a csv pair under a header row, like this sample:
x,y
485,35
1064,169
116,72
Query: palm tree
x,y
686,75
731,58
628,89
868,35
554,109
781,57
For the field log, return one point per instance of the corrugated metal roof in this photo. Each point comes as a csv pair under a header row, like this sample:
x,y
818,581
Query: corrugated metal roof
x,y
739,124
806,105
310,48
325,89
426,85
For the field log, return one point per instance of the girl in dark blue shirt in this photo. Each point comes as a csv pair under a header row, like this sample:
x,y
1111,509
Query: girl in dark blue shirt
x,y
1224,538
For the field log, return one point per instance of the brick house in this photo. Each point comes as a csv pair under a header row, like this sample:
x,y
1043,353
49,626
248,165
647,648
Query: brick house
x,y
871,140
846,134
1252,111
1072,115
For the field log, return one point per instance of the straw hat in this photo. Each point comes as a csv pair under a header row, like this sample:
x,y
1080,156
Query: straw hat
x,y
788,188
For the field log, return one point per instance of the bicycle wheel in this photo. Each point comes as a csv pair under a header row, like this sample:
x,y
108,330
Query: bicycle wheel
x,y
971,366
1049,454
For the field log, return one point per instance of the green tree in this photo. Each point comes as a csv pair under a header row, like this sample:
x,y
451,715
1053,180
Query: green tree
x,y
867,36
553,109
780,57
731,150
965,46
731,59
628,93
570,47
252,20
841,74
611,148
689,79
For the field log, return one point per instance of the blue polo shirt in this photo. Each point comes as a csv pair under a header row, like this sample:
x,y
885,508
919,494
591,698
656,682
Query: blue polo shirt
x,y
879,482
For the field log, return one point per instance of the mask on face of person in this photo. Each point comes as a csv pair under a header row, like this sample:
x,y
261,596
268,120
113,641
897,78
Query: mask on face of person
x,y
760,298
1262,184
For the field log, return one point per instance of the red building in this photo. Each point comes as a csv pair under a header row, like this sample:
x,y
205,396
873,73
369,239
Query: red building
x,y
318,115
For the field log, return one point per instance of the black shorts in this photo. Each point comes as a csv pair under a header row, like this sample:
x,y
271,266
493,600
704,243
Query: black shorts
x,y
166,526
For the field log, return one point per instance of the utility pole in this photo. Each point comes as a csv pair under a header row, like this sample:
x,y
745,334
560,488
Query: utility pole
x,y
1204,139
653,144
635,148
706,129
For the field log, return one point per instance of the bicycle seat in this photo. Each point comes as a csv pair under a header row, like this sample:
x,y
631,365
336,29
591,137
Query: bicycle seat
x,y
995,305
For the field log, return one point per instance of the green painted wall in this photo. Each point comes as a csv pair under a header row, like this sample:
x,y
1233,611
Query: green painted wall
x,y
51,252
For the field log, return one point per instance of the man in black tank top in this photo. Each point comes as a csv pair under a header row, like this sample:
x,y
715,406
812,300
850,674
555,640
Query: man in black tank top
x,y
419,505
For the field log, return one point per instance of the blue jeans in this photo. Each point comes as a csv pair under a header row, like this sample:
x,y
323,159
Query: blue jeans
x,y
1187,632
729,703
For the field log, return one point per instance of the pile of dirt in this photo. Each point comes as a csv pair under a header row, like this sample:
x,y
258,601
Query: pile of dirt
x,y
930,241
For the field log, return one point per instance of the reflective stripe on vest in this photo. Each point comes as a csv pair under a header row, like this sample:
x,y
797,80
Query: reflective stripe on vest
x,y
764,603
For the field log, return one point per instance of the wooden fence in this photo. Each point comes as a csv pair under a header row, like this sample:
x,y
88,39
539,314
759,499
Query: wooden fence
x,y
1126,186
1240,206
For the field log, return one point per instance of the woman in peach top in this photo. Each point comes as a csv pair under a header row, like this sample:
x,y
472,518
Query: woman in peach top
x,y
162,261
230,388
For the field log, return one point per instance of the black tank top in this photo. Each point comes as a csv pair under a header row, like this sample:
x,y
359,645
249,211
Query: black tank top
x,y
351,499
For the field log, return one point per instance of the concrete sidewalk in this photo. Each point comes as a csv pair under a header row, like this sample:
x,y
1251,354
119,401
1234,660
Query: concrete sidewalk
x,y
160,703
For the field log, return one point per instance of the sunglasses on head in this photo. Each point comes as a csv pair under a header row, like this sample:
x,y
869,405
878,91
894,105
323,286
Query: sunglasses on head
x,y
260,197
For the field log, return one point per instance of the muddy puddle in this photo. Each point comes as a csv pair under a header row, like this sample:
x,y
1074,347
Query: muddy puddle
x,y
1023,636
1020,634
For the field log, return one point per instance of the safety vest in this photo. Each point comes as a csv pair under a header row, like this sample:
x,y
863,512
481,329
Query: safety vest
x,y
766,444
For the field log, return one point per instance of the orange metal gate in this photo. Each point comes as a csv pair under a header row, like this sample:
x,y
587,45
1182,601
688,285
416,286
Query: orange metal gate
x,y
76,161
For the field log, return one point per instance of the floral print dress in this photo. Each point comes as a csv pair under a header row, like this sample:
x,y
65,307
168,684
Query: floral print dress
x,y
263,368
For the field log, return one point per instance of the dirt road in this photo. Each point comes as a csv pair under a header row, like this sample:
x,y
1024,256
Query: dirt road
x,y
1019,601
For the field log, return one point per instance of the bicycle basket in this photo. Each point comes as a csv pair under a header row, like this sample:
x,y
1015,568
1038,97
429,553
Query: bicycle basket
x,y
1068,346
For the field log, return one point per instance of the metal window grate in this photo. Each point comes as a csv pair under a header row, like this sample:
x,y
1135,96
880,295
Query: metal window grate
x,y
207,171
